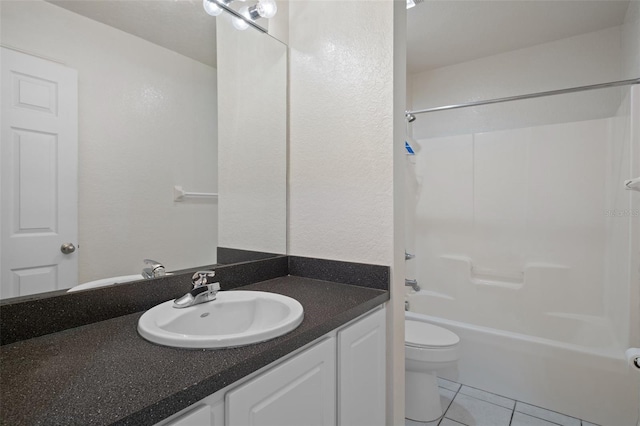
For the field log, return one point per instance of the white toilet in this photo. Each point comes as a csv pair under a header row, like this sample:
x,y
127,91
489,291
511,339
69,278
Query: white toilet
x,y
427,349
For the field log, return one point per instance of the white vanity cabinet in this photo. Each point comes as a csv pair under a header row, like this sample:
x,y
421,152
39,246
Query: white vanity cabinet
x,y
337,379
200,414
361,371
300,391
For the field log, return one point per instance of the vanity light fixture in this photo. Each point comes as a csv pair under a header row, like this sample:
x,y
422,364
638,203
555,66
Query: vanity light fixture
x,y
246,16
211,7
264,8
241,23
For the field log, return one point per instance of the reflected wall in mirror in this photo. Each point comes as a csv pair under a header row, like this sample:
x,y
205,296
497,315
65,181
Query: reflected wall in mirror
x,y
252,165
147,120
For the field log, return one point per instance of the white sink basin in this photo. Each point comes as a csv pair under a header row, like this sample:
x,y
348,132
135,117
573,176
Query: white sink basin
x,y
235,318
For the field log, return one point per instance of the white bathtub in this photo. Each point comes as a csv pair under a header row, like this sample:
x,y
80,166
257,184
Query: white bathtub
x,y
588,381
104,282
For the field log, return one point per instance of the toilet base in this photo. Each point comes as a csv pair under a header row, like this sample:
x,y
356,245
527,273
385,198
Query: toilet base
x,y
422,397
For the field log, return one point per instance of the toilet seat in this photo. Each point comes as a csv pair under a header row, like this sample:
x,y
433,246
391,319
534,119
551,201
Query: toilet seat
x,y
428,336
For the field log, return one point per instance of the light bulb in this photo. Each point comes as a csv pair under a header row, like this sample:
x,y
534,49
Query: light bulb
x,y
267,8
410,4
211,7
241,24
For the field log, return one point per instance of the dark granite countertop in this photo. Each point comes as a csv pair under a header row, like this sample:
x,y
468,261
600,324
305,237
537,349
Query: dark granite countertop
x,y
105,373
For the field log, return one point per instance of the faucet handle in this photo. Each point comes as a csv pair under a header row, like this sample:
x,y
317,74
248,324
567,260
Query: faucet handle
x,y
156,268
202,278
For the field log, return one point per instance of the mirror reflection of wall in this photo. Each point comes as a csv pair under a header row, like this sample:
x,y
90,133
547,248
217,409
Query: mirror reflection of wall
x,y
252,79
147,121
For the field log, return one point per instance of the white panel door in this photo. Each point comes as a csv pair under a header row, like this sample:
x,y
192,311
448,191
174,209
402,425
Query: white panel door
x,y
300,391
38,181
361,372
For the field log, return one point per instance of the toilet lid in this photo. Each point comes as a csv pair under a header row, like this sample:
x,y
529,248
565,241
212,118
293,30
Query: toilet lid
x,y
425,335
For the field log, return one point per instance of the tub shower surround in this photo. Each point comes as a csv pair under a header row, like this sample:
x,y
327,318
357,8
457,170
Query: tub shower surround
x,y
520,256
89,366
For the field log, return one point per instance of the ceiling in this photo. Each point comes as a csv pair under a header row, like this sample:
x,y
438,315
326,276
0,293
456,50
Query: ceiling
x,y
440,32
178,25
447,32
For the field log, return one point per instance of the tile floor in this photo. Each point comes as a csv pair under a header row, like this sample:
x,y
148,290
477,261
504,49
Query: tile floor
x,y
468,406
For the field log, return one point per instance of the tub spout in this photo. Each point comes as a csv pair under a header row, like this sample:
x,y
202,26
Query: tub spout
x,y
412,283
155,269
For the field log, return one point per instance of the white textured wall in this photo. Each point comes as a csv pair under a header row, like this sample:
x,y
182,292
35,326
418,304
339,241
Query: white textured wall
x,y
347,77
279,24
252,165
147,122
341,161
631,41
576,61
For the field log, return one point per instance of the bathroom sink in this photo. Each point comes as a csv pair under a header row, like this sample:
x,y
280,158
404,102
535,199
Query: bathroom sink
x,y
235,318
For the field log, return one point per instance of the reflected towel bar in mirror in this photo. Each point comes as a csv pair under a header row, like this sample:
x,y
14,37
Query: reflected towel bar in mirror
x,y
180,194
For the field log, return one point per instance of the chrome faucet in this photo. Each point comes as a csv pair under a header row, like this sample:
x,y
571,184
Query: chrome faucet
x,y
155,269
412,283
202,291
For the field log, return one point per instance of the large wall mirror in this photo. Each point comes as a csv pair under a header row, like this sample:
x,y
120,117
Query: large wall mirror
x,y
167,96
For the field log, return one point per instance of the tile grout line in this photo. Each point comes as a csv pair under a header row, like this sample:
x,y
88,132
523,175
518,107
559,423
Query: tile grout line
x,y
451,403
493,403
513,410
551,411
513,413
540,418
516,403
492,393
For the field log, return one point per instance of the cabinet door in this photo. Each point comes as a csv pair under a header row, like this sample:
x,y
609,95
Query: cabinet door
x,y
198,416
300,391
207,412
361,372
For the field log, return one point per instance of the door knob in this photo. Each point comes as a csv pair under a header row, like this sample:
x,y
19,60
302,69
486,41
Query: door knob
x,y
67,248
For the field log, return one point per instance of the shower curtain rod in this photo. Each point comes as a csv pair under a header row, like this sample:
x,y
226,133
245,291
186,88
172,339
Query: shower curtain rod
x,y
529,96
